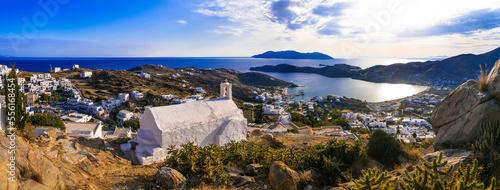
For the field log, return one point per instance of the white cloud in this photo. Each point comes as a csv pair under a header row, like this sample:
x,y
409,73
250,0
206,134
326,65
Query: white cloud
x,y
182,21
314,25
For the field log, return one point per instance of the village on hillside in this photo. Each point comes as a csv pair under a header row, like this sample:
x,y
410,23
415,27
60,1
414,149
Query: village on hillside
x,y
277,112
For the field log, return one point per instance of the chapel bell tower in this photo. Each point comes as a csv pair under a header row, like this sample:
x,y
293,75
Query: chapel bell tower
x,y
226,90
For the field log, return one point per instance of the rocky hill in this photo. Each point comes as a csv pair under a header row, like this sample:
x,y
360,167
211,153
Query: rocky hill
x,y
455,68
179,81
458,68
59,162
290,54
458,118
341,70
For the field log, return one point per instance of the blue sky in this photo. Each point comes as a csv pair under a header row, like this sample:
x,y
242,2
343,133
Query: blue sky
x,y
221,28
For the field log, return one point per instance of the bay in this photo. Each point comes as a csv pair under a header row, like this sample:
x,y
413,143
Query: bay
x,y
313,84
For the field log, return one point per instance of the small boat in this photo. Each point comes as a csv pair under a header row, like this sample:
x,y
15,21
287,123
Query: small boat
x,y
302,92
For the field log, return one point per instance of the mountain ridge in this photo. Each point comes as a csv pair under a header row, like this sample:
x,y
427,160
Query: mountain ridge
x,y
291,54
457,68
340,70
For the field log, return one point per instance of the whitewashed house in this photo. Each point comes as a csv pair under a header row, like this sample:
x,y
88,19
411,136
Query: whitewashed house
x,y
87,130
57,69
200,90
111,103
119,132
124,97
145,75
137,94
269,109
73,100
86,74
124,115
217,121
77,117
169,96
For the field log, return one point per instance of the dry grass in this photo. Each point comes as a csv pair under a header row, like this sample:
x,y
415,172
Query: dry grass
x,y
302,141
211,187
483,76
397,170
415,153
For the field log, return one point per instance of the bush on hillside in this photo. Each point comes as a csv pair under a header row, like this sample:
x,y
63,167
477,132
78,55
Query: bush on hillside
x,y
323,123
293,131
333,157
207,163
384,148
47,120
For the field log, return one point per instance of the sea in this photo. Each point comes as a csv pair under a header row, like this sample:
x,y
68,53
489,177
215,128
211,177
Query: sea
x,y
311,84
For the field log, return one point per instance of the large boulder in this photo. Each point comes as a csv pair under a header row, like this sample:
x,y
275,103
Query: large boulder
x,y
493,81
457,119
281,177
455,157
253,169
170,178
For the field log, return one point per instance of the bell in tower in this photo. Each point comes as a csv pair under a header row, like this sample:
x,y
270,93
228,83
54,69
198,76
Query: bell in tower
x,y
226,90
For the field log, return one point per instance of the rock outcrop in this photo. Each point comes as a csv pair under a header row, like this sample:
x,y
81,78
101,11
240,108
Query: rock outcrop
x,y
32,168
170,178
253,169
273,141
455,157
493,81
457,119
281,177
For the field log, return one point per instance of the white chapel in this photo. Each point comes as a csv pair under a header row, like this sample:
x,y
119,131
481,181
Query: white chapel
x,y
217,121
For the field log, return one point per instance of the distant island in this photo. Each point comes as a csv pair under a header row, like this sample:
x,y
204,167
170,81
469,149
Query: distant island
x,y
290,54
338,70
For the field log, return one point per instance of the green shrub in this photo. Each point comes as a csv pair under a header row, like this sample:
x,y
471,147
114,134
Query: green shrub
x,y
360,130
323,123
293,131
487,146
428,177
333,157
489,139
207,163
384,148
467,177
47,120
373,179
343,122
433,176
299,124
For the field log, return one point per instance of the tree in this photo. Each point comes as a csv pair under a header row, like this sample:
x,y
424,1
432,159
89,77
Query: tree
x,y
414,135
44,97
110,122
384,148
55,97
297,117
342,122
323,123
47,120
14,100
134,124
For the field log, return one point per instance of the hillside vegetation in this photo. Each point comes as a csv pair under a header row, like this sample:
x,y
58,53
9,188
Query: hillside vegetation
x,y
108,83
